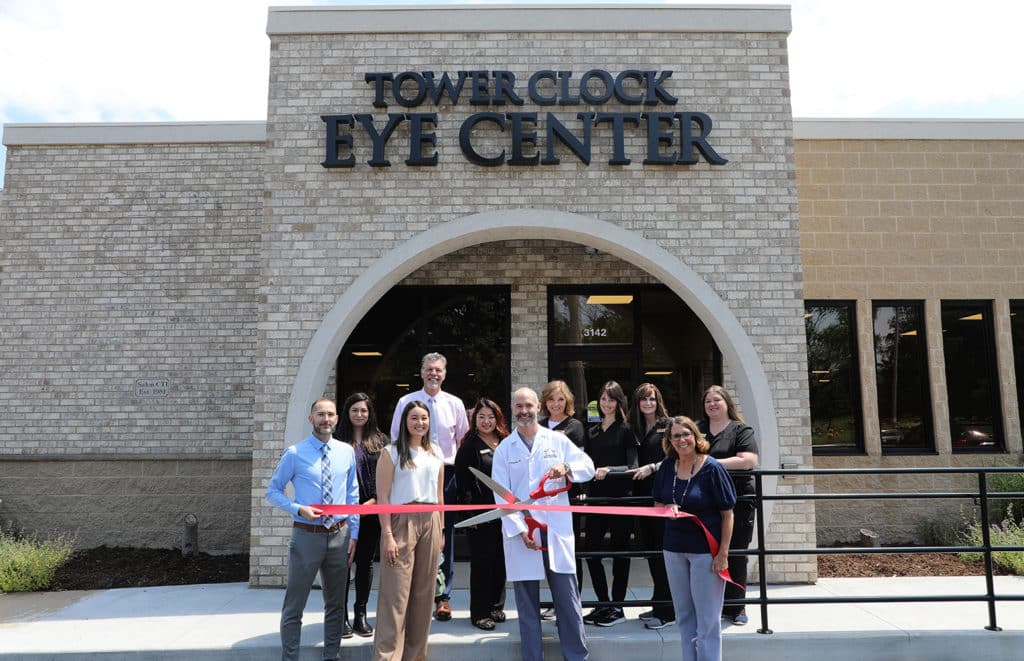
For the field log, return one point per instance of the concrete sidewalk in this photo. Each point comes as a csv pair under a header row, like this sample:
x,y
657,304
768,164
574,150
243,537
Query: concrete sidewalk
x,y
232,621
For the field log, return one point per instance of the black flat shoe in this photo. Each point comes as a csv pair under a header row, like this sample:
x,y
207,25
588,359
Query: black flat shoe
x,y
485,623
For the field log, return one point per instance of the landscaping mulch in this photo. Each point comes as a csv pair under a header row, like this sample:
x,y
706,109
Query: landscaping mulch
x,y
119,567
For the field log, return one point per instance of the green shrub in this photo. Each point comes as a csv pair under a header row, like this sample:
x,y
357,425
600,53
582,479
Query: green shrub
x,y
1008,533
999,508
942,530
28,564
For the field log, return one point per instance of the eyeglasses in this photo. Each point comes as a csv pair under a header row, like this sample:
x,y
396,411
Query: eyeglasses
x,y
685,434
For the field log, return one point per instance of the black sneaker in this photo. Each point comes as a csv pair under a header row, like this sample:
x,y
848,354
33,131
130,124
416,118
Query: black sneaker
x,y
548,614
656,623
647,615
611,617
593,616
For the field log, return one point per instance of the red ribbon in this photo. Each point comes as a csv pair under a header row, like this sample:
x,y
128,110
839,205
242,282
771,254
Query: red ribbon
x,y
662,511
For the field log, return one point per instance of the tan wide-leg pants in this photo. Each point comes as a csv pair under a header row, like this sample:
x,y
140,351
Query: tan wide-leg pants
x,y
405,603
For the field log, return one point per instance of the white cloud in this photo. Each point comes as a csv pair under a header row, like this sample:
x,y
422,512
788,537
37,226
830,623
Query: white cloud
x,y
129,61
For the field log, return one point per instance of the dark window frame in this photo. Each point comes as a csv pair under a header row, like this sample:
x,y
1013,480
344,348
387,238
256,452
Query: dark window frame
x,y
928,411
998,429
558,352
1016,306
386,408
856,403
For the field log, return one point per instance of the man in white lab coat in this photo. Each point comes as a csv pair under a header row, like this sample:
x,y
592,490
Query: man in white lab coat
x,y
521,460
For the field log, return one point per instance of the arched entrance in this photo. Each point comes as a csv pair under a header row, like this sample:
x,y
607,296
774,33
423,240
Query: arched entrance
x,y
737,349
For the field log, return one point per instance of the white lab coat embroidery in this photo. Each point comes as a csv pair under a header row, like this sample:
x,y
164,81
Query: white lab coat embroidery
x,y
520,471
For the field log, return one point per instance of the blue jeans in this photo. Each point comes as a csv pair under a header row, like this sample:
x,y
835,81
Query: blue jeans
x,y
697,595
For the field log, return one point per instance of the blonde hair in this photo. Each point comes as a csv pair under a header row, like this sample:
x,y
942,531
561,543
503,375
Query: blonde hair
x,y
554,388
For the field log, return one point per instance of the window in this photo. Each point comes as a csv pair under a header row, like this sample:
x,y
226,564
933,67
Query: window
x,y
968,339
833,377
470,325
901,377
1017,333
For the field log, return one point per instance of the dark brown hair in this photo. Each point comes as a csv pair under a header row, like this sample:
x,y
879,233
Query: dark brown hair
x,y
730,406
373,439
614,390
500,426
402,442
635,416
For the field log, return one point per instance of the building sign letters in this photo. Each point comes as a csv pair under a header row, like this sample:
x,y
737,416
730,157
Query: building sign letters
x,y
670,137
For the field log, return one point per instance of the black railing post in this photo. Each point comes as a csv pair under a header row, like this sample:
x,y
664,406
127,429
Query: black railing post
x,y
986,541
762,570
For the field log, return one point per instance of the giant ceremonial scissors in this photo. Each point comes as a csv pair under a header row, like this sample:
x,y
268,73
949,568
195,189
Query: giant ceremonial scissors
x,y
531,523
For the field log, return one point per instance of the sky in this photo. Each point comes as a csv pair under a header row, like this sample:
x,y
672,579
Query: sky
x,y
207,60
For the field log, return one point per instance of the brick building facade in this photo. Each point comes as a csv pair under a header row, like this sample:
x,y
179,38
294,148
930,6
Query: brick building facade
x,y
182,292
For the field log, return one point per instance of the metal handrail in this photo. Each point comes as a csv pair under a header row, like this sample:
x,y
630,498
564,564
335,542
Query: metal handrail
x,y
981,497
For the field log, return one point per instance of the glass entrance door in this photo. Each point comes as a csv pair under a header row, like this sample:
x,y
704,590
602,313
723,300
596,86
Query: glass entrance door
x,y
471,326
586,374
630,334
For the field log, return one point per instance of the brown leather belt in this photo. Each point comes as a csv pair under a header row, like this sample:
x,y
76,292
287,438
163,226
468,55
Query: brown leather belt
x,y
309,528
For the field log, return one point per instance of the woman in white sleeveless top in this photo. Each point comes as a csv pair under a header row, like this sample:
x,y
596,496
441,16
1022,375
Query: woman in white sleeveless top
x,y
409,471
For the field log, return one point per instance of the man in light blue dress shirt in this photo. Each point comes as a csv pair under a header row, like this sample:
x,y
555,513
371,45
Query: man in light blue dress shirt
x,y
321,470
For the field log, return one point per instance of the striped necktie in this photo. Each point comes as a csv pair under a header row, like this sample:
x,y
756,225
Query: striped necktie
x,y
326,484
434,422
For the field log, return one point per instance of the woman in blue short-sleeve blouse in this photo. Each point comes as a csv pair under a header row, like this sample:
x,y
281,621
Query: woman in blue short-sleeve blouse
x,y
697,484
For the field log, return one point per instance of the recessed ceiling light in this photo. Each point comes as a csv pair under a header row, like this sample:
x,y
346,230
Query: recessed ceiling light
x,y
610,299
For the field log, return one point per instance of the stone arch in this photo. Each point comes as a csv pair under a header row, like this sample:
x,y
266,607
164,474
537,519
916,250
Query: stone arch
x,y
751,381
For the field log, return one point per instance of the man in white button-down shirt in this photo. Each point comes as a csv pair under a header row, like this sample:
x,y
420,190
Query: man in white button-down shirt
x,y
448,424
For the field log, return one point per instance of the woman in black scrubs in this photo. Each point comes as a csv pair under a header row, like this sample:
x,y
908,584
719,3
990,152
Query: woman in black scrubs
x,y
734,446
486,550
650,420
613,448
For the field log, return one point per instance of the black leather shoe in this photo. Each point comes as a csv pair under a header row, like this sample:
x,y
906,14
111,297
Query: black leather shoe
x,y
346,630
498,616
361,626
